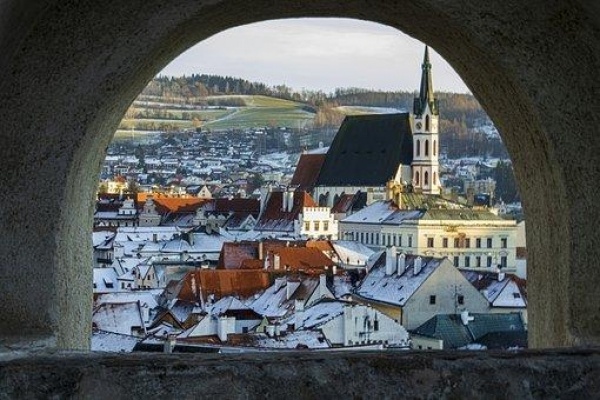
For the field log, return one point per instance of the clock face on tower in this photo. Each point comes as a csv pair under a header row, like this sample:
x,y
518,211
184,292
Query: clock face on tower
x,y
419,125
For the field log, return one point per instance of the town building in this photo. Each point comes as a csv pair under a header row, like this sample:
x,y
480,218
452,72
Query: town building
x,y
469,237
412,289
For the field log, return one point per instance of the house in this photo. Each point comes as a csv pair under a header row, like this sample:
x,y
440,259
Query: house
x,y
471,331
471,238
349,324
280,211
126,216
505,293
412,289
288,293
123,318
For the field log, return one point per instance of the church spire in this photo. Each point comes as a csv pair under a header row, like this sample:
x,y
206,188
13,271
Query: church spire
x,y
426,91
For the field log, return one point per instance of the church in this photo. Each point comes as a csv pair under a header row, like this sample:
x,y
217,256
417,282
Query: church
x,y
373,155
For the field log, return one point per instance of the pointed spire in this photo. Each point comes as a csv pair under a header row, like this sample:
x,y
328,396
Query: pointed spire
x,y
426,90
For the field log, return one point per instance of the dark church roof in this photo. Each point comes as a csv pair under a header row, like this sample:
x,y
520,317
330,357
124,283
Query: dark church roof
x,y
368,150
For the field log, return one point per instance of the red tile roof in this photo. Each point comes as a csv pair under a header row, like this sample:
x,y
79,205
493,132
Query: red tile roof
x,y
306,259
221,283
275,219
242,206
307,171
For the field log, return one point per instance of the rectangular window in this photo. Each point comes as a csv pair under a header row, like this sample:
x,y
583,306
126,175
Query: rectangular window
x,y
456,261
461,299
478,261
372,238
504,243
489,243
307,226
503,261
432,299
377,238
376,325
478,243
489,261
395,239
317,225
325,225
362,237
467,243
429,242
445,242
399,240
467,261
456,243
409,241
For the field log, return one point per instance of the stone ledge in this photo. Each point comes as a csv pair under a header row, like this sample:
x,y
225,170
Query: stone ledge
x,y
546,374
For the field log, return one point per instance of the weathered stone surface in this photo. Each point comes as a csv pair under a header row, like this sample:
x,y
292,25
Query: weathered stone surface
x,y
70,69
393,375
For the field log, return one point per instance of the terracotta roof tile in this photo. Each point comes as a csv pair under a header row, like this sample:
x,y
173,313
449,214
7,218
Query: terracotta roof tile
x,y
306,259
307,171
273,218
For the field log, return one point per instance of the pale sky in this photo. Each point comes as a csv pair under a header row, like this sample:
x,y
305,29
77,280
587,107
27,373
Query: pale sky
x,y
318,54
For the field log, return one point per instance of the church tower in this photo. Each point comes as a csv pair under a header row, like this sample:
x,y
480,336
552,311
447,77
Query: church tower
x,y
425,125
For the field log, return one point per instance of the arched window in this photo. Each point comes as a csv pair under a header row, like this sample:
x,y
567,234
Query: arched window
x,y
434,181
435,147
426,178
427,147
417,178
427,124
418,148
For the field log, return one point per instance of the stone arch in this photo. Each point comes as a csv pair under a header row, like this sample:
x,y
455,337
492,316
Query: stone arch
x,y
80,64
426,178
417,178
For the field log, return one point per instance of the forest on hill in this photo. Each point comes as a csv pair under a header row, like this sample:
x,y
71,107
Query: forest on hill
x,y
461,114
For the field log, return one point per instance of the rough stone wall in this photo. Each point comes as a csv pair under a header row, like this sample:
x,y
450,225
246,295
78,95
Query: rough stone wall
x,y
399,375
71,68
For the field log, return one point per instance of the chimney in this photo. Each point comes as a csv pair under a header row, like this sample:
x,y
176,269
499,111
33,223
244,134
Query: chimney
x,y
322,282
417,264
501,276
466,318
401,263
223,327
284,199
264,197
288,290
390,260
261,249
270,330
169,344
290,200
155,237
299,313
276,261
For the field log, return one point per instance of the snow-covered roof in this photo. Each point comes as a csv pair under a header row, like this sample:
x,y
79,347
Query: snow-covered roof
x,y
149,297
375,213
101,238
500,290
227,303
105,280
350,252
278,300
317,315
396,288
113,342
118,317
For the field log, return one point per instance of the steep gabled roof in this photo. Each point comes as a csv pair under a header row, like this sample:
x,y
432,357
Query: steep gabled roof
x,y
307,171
396,288
368,150
273,218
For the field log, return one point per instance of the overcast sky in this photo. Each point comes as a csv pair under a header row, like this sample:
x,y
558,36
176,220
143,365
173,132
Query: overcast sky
x,y
317,54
